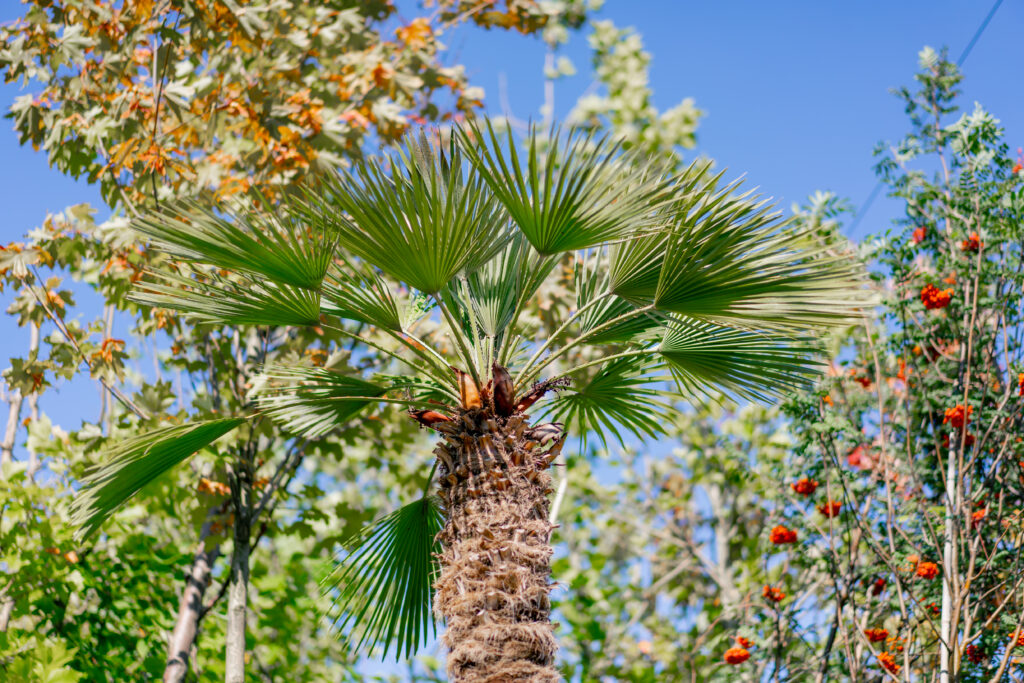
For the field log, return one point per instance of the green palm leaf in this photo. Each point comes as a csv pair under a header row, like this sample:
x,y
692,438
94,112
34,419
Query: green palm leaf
x,y
266,242
635,266
381,586
573,192
493,294
492,290
706,359
606,312
132,464
618,396
367,298
312,401
421,218
243,300
730,260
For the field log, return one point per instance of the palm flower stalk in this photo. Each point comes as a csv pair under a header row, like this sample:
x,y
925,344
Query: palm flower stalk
x,y
686,289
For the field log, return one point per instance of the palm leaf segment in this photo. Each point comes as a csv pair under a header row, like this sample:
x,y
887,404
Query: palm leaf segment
x,y
573,190
132,464
277,264
421,218
381,585
726,257
677,280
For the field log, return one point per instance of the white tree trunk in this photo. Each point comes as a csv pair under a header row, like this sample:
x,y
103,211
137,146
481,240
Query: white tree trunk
x,y
189,610
945,633
234,652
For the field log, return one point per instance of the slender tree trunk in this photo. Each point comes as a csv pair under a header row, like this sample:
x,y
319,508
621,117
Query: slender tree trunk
x,y
15,401
11,431
494,582
234,654
190,608
6,609
946,632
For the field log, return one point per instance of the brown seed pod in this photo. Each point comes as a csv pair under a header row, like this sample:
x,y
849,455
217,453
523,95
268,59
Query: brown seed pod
x,y
538,391
545,432
485,393
428,418
469,392
504,392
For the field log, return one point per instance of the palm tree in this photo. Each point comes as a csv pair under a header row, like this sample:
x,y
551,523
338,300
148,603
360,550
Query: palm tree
x,y
685,290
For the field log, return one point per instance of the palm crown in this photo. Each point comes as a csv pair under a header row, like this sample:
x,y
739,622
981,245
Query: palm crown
x,y
435,254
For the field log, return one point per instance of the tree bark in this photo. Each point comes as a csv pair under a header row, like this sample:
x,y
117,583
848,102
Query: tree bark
x,y
16,400
494,582
946,635
234,651
6,609
11,432
190,608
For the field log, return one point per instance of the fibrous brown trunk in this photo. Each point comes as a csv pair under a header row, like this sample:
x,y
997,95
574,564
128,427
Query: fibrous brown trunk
x,y
495,566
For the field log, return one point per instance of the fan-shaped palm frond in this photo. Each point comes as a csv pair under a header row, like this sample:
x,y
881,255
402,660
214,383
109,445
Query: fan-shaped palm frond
x,y
618,396
365,297
493,290
605,317
312,401
266,242
574,192
132,464
635,265
420,218
208,297
706,359
381,586
727,258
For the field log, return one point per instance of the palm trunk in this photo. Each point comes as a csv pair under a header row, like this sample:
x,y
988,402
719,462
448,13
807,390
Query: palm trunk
x,y
189,609
234,651
494,583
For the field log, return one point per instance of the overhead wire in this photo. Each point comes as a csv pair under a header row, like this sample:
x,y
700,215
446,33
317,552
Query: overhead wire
x,y
866,206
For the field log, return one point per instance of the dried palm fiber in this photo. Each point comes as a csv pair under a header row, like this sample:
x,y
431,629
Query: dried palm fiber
x,y
494,583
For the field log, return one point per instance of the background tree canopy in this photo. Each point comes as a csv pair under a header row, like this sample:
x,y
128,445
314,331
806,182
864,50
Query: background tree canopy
x,y
866,529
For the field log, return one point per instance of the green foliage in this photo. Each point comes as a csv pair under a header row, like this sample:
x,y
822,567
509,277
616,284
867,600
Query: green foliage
x,y
367,298
261,242
421,217
617,396
727,258
240,300
137,461
71,605
572,192
312,402
704,356
381,587
607,318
